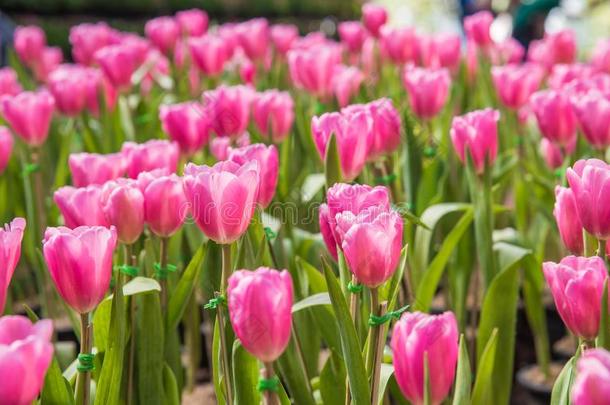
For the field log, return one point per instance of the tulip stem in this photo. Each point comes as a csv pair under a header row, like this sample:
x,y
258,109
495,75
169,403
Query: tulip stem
x,y
226,272
375,345
129,261
38,190
83,379
163,264
226,267
353,309
601,251
270,396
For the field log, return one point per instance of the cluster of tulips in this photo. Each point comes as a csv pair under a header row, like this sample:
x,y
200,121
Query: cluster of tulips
x,y
431,169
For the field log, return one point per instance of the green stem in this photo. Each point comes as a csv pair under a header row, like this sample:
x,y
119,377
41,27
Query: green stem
x,y
226,369
270,397
128,251
83,379
163,252
375,345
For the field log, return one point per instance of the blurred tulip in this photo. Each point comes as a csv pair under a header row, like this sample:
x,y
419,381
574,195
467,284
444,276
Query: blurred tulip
x,y
228,109
10,251
477,133
593,113
577,284
555,116
346,83
507,51
592,383
81,206
417,337
9,82
312,69
254,37
220,148
26,351
93,168
151,155
559,47
6,148
88,38
222,198
273,114
186,124
49,60
70,87
568,222
374,17
477,27
163,32
399,44
553,154
562,74
440,50
428,90
209,53
352,35
165,205
283,36
268,165
29,42
123,205
193,22
516,83
119,62
600,59
260,308
228,33
29,115
80,263
247,72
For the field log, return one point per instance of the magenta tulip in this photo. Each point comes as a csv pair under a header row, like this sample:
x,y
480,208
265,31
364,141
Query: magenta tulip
x,y
10,251
50,58
193,22
554,155
346,83
516,83
477,27
428,89
601,56
273,114
70,86
91,168
507,51
87,38
312,69
145,178
568,222
81,206
9,82
592,383
559,47
283,36
477,133
352,35
577,285
220,148
6,147
555,116
374,17
399,44
260,308
590,183
29,43
165,205
228,109
210,53
222,198
416,337
563,74
123,205
593,113
163,32
441,50
187,125
254,37
150,155
26,352
119,62
80,263
268,165
29,115
328,237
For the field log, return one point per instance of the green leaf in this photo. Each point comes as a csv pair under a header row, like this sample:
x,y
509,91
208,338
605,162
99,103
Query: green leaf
x,y
140,285
389,291
311,301
317,284
483,393
312,185
332,164
387,371
150,341
332,380
171,394
216,367
350,346
603,339
563,384
101,324
463,379
246,372
294,373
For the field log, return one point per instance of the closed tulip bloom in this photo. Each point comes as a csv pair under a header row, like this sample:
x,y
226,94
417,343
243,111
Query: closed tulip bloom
x,y
428,90
29,43
223,198
593,113
326,230
254,37
80,263
477,27
151,155
312,69
564,74
601,56
247,72
346,83
145,178
477,133
210,53
273,114
193,22
283,36
516,83
568,222
399,44
555,115
590,182
123,205
562,45
163,32
553,154
260,308
374,17
268,165
81,206
50,58
165,205
187,125
10,251
93,168
228,109
507,51
88,38
577,285
352,35
119,62
9,82
6,147
442,50
592,383
220,148
353,134
26,351
69,85
418,336
29,115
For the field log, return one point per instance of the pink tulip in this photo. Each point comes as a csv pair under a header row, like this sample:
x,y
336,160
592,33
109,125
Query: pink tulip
x,y
88,38
80,263
507,51
386,125
442,50
260,308
228,33
399,44
81,206
29,115
145,178
554,48
579,87
221,147
49,60
416,337
165,205
228,109
222,198
577,284
516,83
566,216
312,69
555,115
593,113
428,90
563,74
371,242
119,62
268,165
254,37
29,43
6,148
92,168
553,154
600,59
123,205
193,22
273,114
210,53
70,86
477,133
324,220
352,35
10,251
163,32
477,27
374,17
592,383
311,40
346,83
352,132
9,82
187,125
283,36
25,354
151,155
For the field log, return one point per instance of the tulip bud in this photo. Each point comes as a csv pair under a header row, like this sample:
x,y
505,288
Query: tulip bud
x,y
273,114
477,27
566,216
477,133
516,83
428,89
88,38
210,53
29,115
92,168
81,206
186,124
10,251
50,58
260,308
193,22
70,87
268,164
6,147
283,36
80,263
374,17
150,155
29,43
593,112
399,44
163,32
507,51
9,82
554,155
555,115
228,109
442,50
253,36
352,35
346,83
165,205
123,205
601,56
418,337
119,62
562,75
312,68
592,383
